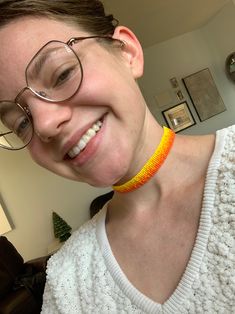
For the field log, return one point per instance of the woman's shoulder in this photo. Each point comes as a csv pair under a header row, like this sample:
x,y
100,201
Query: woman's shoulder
x,y
224,144
230,130
76,251
226,168
71,269
226,137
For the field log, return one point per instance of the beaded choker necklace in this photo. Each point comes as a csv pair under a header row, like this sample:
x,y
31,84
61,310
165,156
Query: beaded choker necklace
x,y
151,166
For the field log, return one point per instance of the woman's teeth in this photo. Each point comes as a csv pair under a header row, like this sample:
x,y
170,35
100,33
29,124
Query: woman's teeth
x,y
75,151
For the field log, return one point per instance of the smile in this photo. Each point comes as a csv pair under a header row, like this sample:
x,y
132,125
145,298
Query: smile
x,y
85,139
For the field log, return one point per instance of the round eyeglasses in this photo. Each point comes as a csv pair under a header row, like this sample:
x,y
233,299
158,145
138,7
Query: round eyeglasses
x,y
54,74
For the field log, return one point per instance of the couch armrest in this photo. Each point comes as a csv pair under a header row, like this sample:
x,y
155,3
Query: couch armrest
x,y
20,301
39,264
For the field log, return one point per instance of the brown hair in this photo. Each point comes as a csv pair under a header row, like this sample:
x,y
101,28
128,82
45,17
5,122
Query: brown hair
x,y
88,14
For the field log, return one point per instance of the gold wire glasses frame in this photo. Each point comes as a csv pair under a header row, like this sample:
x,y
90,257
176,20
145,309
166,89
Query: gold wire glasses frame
x,y
56,60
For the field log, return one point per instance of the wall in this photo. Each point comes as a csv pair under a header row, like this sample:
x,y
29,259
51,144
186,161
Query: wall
x,y
30,194
189,53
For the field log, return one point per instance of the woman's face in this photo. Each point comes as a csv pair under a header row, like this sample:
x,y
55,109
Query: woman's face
x,y
107,111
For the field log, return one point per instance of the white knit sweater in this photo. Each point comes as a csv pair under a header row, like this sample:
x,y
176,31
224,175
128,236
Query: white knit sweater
x,y
84,277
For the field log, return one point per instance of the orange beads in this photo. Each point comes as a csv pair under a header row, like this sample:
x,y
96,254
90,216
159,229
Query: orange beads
x,y
151,166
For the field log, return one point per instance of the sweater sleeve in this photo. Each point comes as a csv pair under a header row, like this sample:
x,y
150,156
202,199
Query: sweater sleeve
x,y
49,305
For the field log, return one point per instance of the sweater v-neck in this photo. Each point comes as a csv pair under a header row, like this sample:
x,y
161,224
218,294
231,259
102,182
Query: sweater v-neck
x,y
172,304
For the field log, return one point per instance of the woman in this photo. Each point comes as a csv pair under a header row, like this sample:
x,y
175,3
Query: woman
x,y
165,242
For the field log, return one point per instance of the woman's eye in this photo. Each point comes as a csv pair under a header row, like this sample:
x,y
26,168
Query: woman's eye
x,y
22,127
63,77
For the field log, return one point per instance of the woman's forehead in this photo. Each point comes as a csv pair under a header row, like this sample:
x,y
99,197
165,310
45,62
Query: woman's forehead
x,y
20,40
30,33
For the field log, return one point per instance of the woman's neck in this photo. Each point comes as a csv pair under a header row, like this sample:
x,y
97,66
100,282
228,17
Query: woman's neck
x,y
153,164
185,166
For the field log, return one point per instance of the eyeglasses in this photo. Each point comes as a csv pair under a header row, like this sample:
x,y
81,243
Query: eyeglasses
x,y
54,74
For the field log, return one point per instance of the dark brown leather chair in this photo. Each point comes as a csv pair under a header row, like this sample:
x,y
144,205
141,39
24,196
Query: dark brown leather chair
x,y
21,284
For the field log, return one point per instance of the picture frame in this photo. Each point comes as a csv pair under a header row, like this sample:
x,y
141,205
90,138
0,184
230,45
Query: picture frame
x,y
179,117
4,142
164,98
174,82
180,95
204,94
5,225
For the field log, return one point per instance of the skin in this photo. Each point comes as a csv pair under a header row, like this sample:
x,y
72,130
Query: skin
x,y
148,225
55,124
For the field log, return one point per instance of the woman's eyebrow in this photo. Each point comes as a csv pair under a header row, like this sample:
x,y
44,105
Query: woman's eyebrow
x,y
4,110
40,60
38,64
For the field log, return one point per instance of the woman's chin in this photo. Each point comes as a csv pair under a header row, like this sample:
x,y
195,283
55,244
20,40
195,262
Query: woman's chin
x,y
101,183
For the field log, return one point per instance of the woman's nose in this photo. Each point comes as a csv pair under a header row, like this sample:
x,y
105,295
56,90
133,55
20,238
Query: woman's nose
x,y
48,118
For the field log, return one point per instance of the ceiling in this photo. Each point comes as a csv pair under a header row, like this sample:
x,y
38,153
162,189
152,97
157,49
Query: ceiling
x,y
154,21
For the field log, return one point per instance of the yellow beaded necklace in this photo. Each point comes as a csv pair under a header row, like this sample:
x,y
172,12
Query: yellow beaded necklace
x,y
151,166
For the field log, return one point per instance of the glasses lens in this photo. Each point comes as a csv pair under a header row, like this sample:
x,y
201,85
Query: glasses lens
x,y
55,72
16,129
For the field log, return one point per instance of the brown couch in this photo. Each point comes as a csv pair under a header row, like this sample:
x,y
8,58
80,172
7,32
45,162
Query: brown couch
x,y
21,284
97,204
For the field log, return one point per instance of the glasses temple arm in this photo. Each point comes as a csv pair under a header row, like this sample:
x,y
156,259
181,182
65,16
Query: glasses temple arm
x,y
5,133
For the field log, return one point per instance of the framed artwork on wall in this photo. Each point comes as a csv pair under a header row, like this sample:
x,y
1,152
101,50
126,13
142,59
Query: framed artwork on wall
x,y
4,223
174,82
204,94
179,117
3,141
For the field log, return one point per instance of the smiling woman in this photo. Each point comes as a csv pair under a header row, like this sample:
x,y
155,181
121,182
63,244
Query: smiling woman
x,y
156,246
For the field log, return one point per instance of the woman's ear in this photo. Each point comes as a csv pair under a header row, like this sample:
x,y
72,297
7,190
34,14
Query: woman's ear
x,y
131,50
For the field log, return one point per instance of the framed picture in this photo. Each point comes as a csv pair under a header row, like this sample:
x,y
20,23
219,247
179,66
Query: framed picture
x,y
180,95
3,141
4,223
204,94
179,117
174,82
164,98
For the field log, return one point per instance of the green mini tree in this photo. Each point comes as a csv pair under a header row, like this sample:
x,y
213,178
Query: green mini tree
x,y
61,228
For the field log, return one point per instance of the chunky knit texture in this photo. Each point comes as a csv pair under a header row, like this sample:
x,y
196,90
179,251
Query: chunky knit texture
x,y
84,277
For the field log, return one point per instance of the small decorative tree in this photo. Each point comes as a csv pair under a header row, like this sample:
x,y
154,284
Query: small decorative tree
x,y
61,228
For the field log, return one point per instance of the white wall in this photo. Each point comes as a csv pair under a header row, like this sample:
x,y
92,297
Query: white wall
x,y
30,194
189,53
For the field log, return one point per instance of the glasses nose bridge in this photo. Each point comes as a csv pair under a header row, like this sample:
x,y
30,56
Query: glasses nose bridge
x,y
22,92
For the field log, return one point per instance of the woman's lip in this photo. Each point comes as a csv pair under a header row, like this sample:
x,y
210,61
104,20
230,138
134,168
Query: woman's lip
x,y
76,138
90,148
